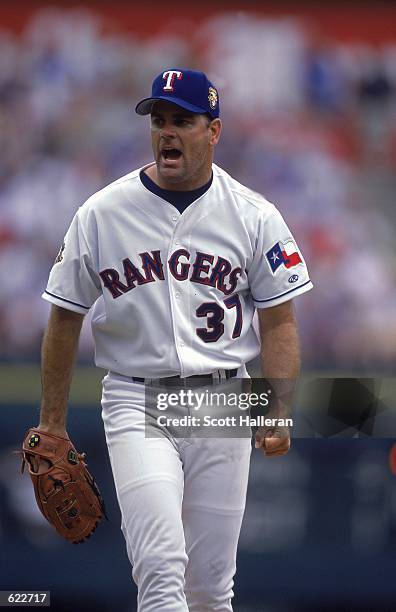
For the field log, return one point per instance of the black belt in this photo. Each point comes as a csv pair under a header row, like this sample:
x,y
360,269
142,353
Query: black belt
x,y
194,380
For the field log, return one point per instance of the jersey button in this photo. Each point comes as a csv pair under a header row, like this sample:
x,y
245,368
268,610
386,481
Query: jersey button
x,y
177,241
174,217
177,295
181,343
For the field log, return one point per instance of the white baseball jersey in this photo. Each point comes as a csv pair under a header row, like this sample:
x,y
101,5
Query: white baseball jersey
x,y
175,293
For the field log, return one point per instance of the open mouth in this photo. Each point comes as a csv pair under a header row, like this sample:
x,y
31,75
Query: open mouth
x,y
171,154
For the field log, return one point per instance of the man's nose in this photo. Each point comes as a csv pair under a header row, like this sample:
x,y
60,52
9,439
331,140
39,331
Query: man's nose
x,y
167,130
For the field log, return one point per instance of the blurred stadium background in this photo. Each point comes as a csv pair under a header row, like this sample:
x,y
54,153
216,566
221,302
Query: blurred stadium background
x,y
308,105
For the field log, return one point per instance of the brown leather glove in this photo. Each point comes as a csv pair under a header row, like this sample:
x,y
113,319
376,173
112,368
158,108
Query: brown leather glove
x,y
65,491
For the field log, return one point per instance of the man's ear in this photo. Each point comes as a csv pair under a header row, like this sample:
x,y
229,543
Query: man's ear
x,y
215,128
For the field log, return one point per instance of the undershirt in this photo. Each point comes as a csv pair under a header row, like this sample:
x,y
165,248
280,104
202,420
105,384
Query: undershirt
x,y
179,199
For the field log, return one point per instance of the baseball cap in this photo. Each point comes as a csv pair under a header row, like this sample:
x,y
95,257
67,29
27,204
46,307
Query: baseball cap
x,y
189,89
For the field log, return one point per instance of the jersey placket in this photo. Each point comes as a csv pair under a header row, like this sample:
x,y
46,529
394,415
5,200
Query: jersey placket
x,y
178,292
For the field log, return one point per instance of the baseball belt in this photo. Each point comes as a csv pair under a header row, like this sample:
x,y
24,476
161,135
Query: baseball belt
x,y
195,380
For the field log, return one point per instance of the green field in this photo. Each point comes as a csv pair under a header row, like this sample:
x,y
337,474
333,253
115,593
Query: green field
x,y
20,384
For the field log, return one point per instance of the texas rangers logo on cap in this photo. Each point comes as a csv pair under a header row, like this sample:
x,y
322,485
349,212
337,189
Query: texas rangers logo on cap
x,y
189,89
170,76
283,254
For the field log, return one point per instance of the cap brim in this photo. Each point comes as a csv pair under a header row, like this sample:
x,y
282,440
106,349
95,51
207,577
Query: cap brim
x,y
144,107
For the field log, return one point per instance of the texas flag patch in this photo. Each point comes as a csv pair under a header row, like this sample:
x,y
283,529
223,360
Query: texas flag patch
x,y
283,254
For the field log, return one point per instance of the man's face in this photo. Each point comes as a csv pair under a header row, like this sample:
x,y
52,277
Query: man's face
x,y
183,145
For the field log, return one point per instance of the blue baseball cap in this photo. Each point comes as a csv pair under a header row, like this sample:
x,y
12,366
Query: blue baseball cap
x,y
189,89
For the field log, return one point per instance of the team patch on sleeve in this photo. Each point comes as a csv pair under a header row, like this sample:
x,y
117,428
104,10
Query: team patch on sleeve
x,y
283,254
59,257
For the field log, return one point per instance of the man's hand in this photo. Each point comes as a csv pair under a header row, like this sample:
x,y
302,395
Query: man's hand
x,y
273,440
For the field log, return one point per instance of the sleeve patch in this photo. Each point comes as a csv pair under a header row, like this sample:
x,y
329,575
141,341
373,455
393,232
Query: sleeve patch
x,y
59,257
283,254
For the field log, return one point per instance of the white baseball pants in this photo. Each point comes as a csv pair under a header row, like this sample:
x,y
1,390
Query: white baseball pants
x,y
182,503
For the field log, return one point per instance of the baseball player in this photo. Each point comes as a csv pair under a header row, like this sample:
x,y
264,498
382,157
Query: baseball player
x,y
174,259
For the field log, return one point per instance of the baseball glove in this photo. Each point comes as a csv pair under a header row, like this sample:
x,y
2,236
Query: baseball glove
x,y
65,491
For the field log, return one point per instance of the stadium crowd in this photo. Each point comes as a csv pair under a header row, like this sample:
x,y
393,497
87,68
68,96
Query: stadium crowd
x,y
309,122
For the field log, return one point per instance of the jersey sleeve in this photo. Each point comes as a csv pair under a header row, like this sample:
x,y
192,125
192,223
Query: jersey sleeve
x,y
73,283
278,271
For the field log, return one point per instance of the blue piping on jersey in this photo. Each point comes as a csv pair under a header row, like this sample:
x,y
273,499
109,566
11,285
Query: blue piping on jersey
x,y
282,294
68,301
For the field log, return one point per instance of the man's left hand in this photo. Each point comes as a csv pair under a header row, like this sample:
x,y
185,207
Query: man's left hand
x,y
273,440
